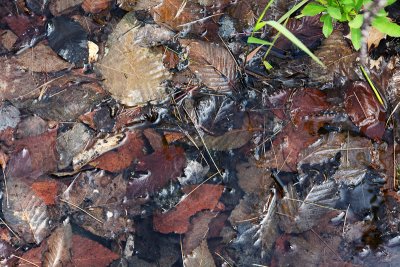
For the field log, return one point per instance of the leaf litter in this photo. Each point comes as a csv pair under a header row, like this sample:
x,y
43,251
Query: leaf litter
x,y
148,133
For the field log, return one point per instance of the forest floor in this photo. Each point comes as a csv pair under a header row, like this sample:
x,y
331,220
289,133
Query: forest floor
x,y
149,133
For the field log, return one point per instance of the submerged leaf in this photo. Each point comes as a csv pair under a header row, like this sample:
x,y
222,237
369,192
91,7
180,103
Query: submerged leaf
x,y
132,74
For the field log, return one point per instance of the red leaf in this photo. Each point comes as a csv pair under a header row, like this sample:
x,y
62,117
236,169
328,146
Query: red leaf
x,y
46,190
177,220
88,253
123,156
164,165
34,156
364,110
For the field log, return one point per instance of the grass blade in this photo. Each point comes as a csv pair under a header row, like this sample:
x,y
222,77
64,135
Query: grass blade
x,y
291,11
376,92
294,40
255,40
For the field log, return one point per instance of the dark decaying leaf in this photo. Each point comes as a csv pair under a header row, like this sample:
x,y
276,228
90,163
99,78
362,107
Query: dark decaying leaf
x,y
230,140
37,6
59,246
23,25
103,195
10,116
68,39
212,64
7,253
177,220
198,230
34,156
307,29
15,81
58,7
163,166
31,126
364,110
338,58
26,213
71,143
66,102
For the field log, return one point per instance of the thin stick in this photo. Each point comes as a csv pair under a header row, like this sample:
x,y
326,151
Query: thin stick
x,y
312,203
223,259
327,245
345,217
15,256
79,208
9,228
199,20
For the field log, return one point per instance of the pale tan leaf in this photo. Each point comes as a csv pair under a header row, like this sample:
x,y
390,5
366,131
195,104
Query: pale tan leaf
x,y
374,37
59,246
338,58
25,212
132,74
41,58
212,64
99,148
200,257
131,5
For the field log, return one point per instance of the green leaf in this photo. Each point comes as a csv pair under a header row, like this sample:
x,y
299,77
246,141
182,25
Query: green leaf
x,y
294,40
259,25
255,40
327,28
384,25
356,22
390,2
334,12
358,5
291,11
356,38
264,11
348,3
267,65
312,9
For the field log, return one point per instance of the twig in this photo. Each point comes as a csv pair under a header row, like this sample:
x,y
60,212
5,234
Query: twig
x,y
9,228
79,208
216,253
15,256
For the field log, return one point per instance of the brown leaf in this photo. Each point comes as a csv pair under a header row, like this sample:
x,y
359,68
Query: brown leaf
x,y
34,156
41,58
90,254
374,37
122,157
133,74
212,64
198,230
364,110
26,213
338,58
15,81
58,7
59,246
96,6
176,220
201,257
307,29
131,5
164,166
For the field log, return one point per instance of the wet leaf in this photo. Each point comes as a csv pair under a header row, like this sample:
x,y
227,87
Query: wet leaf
x,y
96,6
200,256
176,220
307,29
90,253
337,56
123,156
26,213
10,116
58,7
41,58
364,110
212,64
163,166
47,190
59,246
132,74
68,39
34,156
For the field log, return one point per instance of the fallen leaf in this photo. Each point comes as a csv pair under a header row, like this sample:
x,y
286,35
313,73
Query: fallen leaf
x,y
41,58
200,256
26,213
10,116
176,220
34,156
374,37
90,254
212,64
96,6
46,190
364,110
59,246
164,165
132,74
59,7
